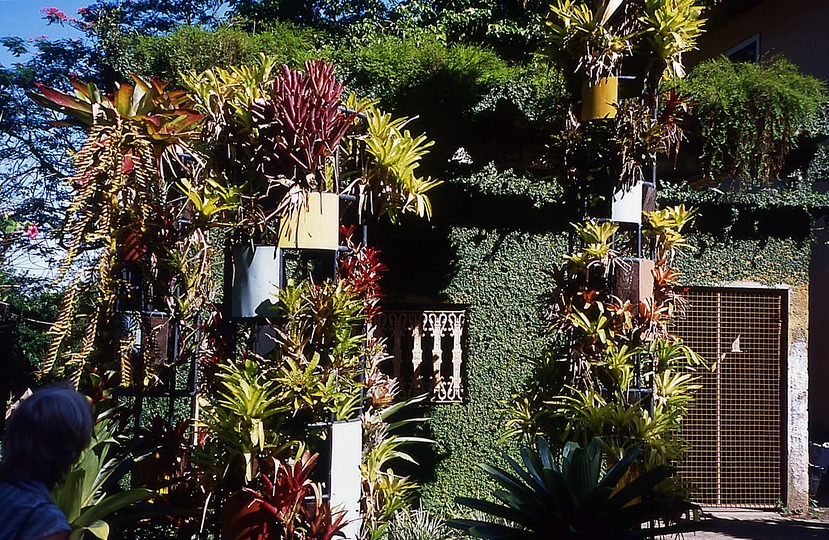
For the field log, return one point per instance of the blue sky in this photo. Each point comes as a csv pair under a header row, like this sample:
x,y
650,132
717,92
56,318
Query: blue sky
x,y
22,18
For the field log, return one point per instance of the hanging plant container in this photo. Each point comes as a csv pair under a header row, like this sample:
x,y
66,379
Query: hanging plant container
x,y
144,340
626,204
255,279
599,99
257,271
315,225
131,247
633,281
648,196
344,476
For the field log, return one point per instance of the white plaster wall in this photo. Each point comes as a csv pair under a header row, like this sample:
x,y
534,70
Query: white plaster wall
x,y
797,413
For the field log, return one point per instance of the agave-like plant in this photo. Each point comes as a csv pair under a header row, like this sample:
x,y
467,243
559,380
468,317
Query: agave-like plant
x,y
594,33
570,497
672,28
419,524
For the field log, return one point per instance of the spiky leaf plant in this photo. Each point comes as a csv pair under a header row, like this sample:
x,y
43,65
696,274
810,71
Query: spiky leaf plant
x,y
389,182
572,496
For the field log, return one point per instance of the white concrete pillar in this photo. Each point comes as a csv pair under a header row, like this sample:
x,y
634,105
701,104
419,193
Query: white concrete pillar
x,y
346,453
797,410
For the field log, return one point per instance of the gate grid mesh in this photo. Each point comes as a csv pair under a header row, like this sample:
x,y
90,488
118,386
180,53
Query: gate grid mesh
x,y
735,425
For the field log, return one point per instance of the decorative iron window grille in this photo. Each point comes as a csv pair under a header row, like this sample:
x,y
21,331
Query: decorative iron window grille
x,y
426,347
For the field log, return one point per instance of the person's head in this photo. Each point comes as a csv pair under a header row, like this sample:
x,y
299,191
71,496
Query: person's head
x,y
46,434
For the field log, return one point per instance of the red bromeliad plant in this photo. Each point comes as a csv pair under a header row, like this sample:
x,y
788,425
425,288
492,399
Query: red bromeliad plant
x,y
283,497
301,124
271,137
361,269
300,127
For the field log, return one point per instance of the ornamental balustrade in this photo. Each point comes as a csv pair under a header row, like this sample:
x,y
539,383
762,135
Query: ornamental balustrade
x,y
427,351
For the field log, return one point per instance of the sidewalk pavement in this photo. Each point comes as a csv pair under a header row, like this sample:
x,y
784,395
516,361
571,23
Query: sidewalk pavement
x,y
757,525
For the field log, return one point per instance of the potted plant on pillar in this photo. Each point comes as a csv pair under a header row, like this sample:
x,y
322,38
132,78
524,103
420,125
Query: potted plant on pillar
x,y
279,144
270,145
592,38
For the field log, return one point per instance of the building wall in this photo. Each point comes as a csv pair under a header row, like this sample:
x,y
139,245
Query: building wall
x,y
797,410
795,28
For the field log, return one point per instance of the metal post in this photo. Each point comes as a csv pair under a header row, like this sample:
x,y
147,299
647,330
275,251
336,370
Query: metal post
x,y
717,401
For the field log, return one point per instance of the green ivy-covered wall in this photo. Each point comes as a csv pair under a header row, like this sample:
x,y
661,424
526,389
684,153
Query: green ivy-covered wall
x,y
763,237
502,231
494,236
501,277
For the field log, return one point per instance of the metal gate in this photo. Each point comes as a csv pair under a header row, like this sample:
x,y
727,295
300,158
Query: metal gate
x,y
735,428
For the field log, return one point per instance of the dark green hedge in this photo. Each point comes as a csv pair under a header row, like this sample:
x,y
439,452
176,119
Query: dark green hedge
x,y
462,96
196,49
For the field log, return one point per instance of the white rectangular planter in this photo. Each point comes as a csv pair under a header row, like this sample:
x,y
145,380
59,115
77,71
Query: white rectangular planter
x,y
346,453
255,280
626,206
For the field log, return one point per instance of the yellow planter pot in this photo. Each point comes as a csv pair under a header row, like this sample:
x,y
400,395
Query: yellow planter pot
x,y
314,226
598,99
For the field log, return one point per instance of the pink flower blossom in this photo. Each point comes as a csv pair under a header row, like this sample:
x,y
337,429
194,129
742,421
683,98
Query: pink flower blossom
x,y
31,231
83,10
53,14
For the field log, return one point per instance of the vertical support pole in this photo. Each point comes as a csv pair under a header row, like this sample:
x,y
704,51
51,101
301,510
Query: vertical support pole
x,y
718,400
397,346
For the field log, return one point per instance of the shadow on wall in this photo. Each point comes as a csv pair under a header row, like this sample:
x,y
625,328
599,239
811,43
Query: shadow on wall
x,y
818,344
421,259
726,220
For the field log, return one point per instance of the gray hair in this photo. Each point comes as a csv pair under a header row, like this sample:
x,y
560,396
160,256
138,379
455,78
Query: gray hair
x,y
46,434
